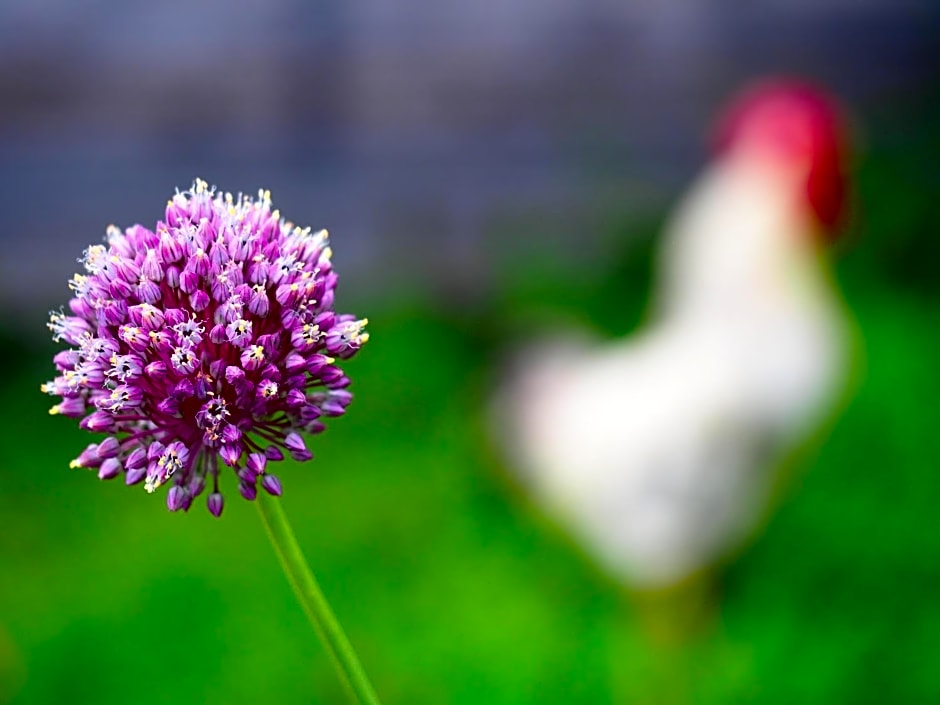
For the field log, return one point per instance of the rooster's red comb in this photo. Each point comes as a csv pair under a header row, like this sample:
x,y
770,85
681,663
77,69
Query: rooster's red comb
x,y
795,119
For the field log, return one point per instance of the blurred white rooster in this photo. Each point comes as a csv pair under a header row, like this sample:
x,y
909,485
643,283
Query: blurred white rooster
x,y
659,451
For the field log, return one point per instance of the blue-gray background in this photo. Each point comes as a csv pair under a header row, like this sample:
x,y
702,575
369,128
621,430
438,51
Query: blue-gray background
x,y
474,162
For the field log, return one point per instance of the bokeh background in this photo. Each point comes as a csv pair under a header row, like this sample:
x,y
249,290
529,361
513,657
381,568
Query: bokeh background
x,y
476,163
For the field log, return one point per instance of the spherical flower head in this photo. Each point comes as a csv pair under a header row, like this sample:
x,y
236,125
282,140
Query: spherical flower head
x,y
207,343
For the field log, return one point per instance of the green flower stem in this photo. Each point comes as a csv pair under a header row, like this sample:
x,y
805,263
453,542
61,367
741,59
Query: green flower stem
x,y
313,601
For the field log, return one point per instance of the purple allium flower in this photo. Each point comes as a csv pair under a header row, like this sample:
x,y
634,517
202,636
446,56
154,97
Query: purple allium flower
x,y
210,341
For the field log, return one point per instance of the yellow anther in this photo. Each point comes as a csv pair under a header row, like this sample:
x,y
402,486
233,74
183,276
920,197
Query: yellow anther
x,y
75,464
77,281
54,410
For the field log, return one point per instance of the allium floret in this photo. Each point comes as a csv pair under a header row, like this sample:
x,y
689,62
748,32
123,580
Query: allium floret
x,y
210,341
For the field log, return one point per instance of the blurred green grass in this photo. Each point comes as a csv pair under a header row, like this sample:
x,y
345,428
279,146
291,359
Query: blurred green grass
x,y
452,588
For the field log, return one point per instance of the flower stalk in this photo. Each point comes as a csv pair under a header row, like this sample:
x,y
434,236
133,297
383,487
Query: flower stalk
x,y
314,602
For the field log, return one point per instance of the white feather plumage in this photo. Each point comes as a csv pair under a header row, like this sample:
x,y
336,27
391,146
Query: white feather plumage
x,y
658,450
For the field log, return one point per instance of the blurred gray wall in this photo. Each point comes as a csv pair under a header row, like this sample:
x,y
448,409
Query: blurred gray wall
x,y
405,127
